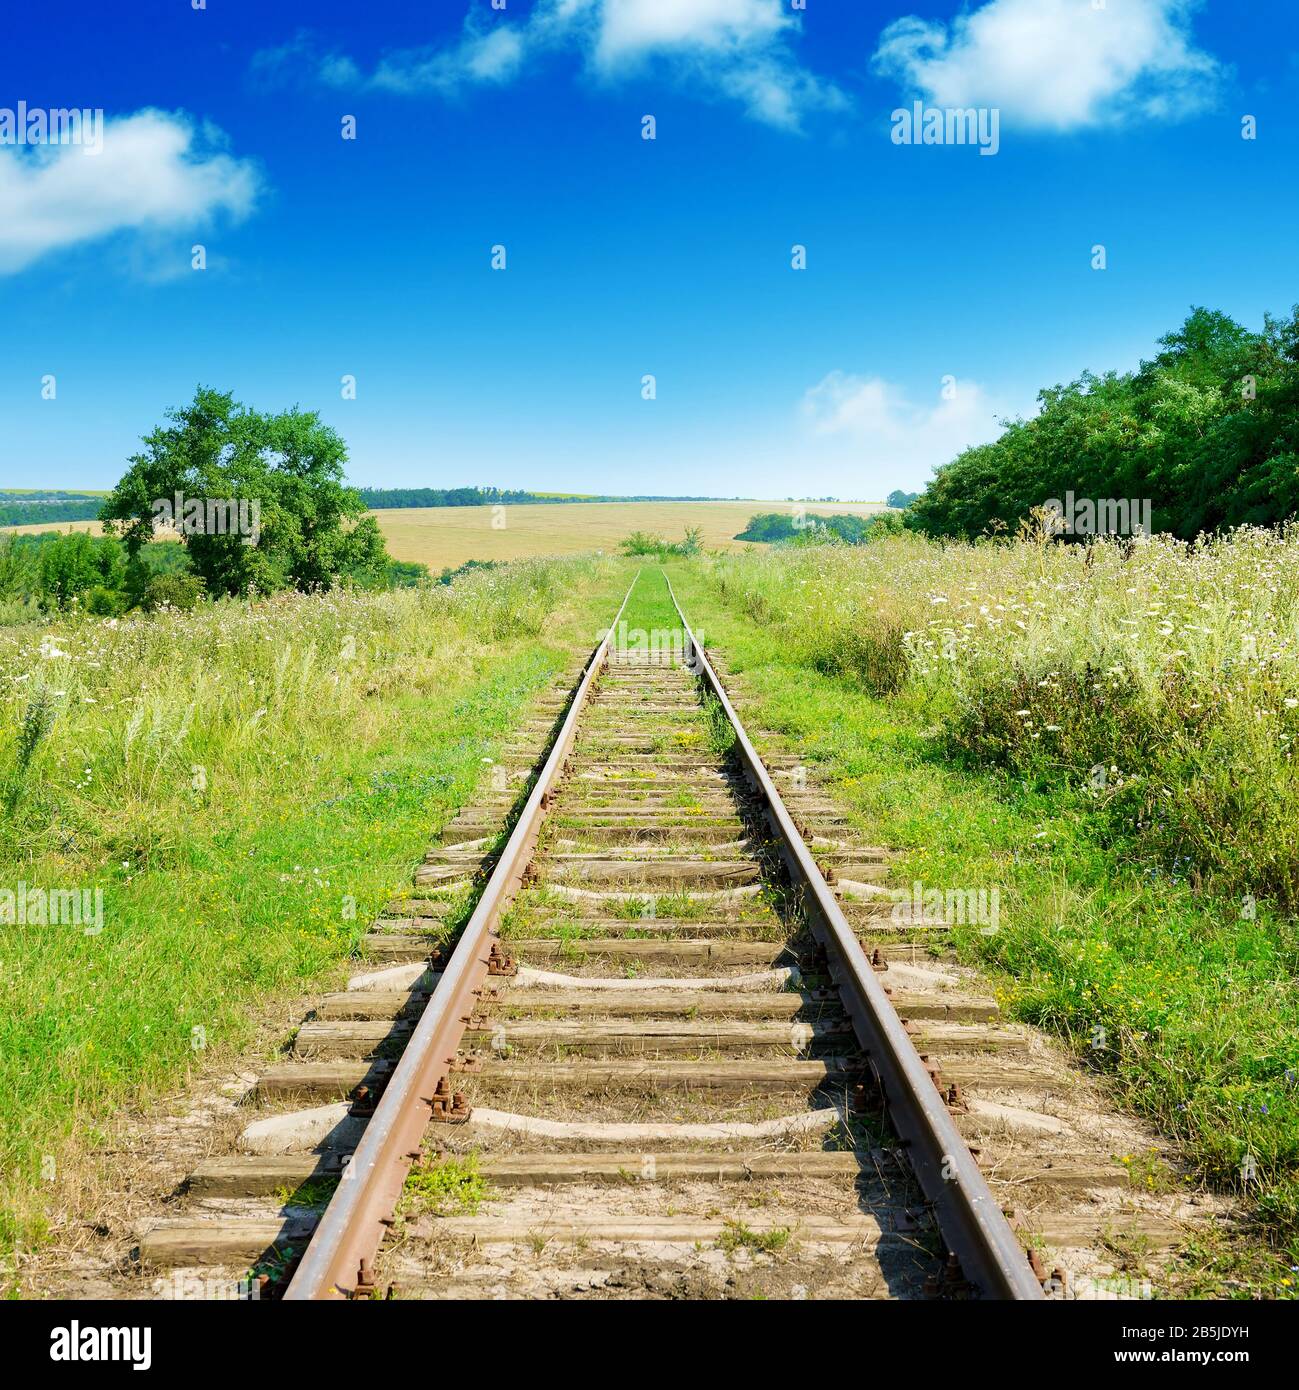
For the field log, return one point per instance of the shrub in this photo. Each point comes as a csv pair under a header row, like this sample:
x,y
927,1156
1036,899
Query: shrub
x,y
72,564
645,543
181,591
104,603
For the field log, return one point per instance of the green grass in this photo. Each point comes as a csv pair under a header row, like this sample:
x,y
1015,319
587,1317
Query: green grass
x,y
737,1236
443,1187
314,1192
650,606
248,786
1185,1006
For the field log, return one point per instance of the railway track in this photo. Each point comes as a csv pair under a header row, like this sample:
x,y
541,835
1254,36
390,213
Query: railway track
x,y
667,1040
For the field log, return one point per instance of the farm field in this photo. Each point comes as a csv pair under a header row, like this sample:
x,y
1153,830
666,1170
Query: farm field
x,y
448,536
451,535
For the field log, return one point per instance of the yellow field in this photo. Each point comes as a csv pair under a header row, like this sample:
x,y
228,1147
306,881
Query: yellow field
x,y
442,536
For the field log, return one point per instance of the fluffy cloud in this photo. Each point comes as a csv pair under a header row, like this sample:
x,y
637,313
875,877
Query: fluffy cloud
x,y
738,49
156,171
880,424
1056,64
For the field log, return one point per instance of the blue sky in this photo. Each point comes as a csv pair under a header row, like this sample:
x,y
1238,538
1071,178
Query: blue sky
x,y
1118,125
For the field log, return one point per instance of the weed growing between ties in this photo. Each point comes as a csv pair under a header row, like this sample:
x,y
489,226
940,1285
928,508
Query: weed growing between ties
x,y
736,1235
445,1187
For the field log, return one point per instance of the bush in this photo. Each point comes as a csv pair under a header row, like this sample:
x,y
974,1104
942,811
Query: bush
x,y
449,574
646,543
104,603
642,543
70,565
15,568
181,591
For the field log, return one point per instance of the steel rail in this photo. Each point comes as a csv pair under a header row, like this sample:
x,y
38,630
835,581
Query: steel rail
x,y
969,1217
355,1221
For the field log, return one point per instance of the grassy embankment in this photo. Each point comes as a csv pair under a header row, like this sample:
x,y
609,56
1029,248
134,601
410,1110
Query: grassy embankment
x,y
1107,739
248,785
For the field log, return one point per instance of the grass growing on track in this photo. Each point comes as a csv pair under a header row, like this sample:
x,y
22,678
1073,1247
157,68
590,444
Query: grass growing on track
x,y
1189,1008
650,611
247,785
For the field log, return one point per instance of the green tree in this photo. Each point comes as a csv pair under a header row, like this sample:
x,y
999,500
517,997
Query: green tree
x,y
282,475
72,565
1207,431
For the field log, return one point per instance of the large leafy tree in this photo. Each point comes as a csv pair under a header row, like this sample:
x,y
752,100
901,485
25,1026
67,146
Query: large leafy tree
x,y
1207,430
311,528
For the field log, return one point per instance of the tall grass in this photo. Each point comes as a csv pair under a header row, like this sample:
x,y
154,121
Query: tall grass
x,y
1157,680
247,784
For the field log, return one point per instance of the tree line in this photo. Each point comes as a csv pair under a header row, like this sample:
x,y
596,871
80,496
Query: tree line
x,y
812,529
47,508
1206,431
379,498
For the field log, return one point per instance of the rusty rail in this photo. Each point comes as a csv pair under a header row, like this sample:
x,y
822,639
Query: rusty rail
x,y
356,1219
969,1217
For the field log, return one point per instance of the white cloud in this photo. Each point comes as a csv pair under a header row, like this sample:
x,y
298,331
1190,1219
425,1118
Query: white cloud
x,y
879,424
738,49
157,170
489,57
1056,64
631,29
